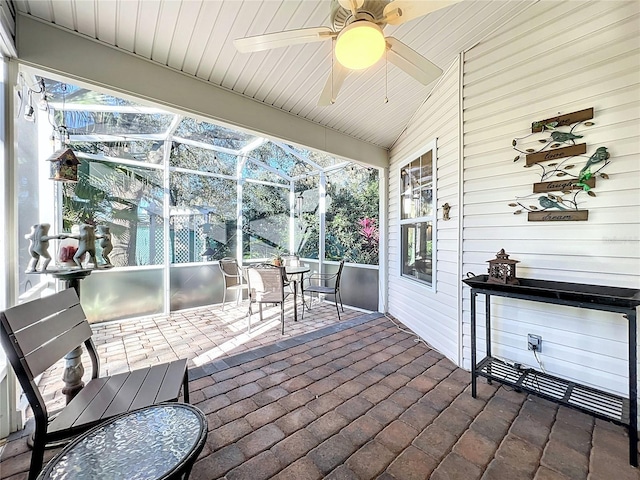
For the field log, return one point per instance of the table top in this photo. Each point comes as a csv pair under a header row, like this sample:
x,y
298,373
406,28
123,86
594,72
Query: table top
x,y
561,292
293,270
154,442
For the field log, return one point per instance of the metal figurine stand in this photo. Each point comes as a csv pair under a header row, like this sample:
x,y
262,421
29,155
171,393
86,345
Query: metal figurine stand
x,y
73,368
38,249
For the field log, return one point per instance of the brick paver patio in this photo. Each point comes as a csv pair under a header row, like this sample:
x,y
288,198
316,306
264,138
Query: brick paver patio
x,y
357,399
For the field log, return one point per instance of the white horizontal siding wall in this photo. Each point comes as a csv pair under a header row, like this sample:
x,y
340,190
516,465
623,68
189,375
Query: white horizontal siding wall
x,y
432,314
555,58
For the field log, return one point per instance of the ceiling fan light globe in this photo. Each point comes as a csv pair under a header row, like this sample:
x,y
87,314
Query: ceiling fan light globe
x,y
360,45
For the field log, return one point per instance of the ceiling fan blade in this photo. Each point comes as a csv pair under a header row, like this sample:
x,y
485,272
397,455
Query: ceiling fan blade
x,y
411,62
283,39
352,5
337,78
401,11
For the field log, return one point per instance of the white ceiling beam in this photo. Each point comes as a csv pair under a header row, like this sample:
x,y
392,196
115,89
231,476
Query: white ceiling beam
x,y
72,56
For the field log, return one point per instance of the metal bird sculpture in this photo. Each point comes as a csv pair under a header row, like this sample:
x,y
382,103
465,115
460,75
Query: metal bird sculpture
x,y
564,137
600,155
546,202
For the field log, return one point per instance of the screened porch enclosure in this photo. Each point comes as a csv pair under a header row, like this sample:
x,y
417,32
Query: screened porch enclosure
x,y
178,194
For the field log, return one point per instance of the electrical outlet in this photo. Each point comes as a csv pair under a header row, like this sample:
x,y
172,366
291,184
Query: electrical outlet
x,y
534,342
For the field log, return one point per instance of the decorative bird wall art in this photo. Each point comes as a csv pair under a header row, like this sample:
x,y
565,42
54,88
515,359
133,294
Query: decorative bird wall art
x,y
555,140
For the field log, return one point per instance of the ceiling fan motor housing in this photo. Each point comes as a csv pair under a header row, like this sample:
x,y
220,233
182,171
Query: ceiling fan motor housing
x,y
371,10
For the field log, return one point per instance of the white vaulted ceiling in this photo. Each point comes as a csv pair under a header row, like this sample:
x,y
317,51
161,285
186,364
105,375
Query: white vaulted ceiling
x,y
196,37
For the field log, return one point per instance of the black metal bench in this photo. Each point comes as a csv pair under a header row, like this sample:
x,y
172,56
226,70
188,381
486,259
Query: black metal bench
x,y
37,334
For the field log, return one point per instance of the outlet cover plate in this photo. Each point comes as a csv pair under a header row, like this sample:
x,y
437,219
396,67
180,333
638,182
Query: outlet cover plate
x,y
534,340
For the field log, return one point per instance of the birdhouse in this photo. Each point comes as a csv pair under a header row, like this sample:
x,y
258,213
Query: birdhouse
x,y
502,269
64,166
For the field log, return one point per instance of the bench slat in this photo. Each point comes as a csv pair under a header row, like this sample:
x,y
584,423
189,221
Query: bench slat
x,y
171,385
127,393
150,388
35,335
24,315
94,411
69,415
42,358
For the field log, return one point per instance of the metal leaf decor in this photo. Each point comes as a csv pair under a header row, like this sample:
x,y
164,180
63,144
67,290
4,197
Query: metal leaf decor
x,y
561,141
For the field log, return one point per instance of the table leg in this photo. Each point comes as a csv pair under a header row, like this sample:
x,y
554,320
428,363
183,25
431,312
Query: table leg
x,y
633,389
473,343
295,301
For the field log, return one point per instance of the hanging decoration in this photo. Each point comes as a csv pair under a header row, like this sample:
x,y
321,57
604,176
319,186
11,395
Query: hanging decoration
x,y
64,166
64,163
555,197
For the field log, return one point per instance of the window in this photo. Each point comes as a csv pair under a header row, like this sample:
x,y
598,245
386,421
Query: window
x,y
417,222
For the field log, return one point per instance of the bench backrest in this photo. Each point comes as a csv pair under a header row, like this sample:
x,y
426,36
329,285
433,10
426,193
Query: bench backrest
x,y
37,334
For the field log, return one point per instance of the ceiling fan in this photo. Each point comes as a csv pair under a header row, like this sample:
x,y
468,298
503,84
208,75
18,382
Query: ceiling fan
x,y
358,39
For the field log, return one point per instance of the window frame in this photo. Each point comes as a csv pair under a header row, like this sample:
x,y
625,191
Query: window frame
x,y
422,219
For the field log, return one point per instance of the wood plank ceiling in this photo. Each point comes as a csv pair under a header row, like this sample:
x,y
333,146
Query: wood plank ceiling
x,y
196,38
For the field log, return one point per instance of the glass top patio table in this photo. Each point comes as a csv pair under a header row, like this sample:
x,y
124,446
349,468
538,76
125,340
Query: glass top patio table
x,y
157,442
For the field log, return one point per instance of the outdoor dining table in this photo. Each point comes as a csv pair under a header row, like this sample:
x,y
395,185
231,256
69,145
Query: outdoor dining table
x,y
157,442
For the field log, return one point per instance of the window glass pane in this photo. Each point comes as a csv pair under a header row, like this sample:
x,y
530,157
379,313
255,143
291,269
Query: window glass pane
x,y
425,186
141,150
202,159
258,172
113,123
416,188
352,215
192,129
29,202
126,199
265,211
306,226
321,159
417,251
203,213
72,94
275,157
407,185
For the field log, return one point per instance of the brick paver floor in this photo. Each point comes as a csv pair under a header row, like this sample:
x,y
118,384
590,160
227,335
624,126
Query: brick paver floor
x,y
362,399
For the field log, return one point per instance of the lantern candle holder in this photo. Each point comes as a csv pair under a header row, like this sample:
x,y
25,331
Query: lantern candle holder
x,y
502,269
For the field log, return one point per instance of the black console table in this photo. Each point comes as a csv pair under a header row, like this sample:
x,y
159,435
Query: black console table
x,y
616,409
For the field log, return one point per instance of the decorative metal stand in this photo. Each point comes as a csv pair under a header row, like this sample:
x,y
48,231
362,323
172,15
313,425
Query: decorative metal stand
x,y
73,368
600,404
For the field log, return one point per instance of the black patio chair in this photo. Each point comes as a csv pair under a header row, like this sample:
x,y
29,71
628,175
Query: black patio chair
x,y
319,283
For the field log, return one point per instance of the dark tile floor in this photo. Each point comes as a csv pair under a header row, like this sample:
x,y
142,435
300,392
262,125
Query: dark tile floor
x,y
361,399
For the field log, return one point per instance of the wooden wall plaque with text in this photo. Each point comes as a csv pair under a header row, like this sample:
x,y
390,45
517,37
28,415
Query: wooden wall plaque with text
x,y
559,216
561,185
564,120
557,153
